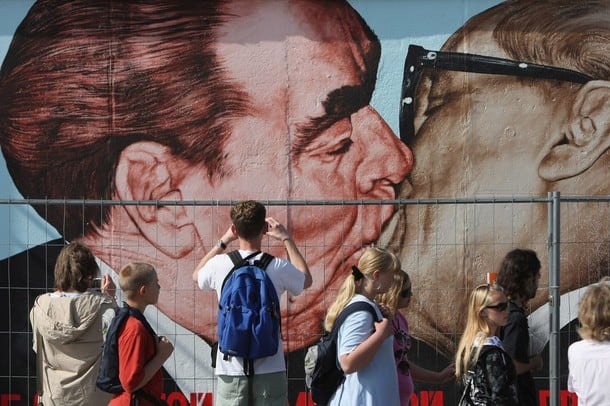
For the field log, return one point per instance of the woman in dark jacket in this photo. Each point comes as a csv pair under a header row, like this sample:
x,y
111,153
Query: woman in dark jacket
x,y
483,367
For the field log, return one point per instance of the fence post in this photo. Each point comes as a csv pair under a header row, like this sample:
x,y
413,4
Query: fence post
x,y
554,297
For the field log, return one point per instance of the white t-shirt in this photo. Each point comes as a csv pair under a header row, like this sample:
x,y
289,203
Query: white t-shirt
x,y
285,277
377,382
589,372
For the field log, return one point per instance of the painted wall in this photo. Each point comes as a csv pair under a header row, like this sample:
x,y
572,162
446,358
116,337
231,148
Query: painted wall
x,y
306,106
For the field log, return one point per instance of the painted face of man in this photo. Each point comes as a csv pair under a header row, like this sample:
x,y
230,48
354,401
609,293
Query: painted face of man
x,y
310,134
475,135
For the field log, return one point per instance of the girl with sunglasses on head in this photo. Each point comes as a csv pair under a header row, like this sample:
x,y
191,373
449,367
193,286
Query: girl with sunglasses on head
x,y
399,297
364,345
482,365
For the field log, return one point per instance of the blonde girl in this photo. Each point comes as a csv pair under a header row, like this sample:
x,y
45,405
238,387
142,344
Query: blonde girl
x,y
589,359
364,346
482,365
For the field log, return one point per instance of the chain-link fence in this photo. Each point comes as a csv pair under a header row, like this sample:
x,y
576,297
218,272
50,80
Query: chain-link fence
x,y
448,246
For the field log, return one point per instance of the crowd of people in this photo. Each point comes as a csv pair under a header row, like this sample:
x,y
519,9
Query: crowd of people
x,y
169,141
492,362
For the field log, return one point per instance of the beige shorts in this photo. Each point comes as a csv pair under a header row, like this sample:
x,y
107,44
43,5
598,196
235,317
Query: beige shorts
x,y
267,390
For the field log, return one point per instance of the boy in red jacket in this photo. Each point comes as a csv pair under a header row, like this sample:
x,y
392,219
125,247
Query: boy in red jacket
x,y
141,354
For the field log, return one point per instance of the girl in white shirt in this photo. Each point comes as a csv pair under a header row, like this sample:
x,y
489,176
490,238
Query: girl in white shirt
x,y
589,359
364,346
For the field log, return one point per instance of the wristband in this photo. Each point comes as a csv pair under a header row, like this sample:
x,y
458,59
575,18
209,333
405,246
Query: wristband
x,y
220,244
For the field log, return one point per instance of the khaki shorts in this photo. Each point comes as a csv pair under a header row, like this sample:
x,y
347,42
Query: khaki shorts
x,y
267,390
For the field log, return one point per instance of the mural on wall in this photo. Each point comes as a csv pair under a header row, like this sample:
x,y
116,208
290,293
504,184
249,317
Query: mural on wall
x,y
516,104
272,100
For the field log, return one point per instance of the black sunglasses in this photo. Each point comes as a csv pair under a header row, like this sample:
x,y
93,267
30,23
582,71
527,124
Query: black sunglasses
x,y
419,58
499,307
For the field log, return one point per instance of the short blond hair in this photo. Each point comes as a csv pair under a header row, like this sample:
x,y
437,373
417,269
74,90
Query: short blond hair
x,y
135,275
594,312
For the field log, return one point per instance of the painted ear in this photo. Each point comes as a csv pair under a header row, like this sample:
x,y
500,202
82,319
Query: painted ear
x,y
586,137
148,171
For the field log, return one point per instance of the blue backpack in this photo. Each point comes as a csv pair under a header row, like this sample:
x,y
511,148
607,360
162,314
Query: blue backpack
x,y
248,311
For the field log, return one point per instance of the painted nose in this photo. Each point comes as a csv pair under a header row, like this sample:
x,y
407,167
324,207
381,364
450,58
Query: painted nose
x,y
386,160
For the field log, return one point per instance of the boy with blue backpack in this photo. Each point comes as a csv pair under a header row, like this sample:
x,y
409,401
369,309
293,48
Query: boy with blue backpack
x,y
250,361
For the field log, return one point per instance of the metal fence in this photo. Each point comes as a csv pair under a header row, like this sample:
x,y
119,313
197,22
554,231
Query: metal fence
x,y
575,244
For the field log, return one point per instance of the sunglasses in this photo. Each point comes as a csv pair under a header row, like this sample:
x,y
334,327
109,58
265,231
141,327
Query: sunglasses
x,y
419,58
502,306
406,293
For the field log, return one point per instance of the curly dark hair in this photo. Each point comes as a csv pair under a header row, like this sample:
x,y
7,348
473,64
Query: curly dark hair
x,y
248,217
516,267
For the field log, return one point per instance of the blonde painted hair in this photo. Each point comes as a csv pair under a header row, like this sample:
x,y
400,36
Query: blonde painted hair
x,y
594,312
371,260
135,275
392,296
476,331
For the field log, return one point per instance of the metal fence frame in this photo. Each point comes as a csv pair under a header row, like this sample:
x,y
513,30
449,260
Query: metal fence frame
x,y
553,201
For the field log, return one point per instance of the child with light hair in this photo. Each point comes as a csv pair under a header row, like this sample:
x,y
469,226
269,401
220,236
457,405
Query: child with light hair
x,y
396,298
141,352
481,364
589,359
364,345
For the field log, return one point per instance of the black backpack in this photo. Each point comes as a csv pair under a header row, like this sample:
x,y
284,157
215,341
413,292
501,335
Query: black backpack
x,y
323,374
108,375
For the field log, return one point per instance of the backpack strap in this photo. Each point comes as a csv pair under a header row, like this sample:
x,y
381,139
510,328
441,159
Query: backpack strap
x,y
138,315
352,308
235,257
238,261
349,309
264,261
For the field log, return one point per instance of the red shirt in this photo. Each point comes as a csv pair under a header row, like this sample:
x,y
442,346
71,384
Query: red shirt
x,y
136,347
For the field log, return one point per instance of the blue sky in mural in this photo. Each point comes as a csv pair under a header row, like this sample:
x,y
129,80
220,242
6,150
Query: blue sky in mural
x,y
397,23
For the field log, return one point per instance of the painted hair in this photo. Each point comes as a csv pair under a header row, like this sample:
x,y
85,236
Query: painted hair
x,y
477,328
87,79
594,312
564,33
83,80
75,268
372,259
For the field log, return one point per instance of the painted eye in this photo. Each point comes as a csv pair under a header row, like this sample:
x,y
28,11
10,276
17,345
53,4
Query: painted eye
x,y
333,142
345,146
